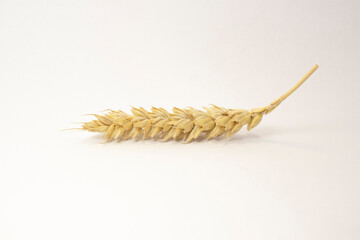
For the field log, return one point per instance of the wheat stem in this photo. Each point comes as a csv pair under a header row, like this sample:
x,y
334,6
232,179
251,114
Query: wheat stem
x,y
307,75
277,101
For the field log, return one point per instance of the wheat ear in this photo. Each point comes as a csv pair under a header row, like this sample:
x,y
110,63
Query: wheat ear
x,y
186,124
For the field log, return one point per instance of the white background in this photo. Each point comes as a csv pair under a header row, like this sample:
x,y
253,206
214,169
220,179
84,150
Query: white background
x,y
295,176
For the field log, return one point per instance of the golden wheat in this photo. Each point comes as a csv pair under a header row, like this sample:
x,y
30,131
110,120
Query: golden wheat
x,y
186,124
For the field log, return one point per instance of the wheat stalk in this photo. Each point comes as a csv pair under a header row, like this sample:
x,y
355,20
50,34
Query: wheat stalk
x,y
186,124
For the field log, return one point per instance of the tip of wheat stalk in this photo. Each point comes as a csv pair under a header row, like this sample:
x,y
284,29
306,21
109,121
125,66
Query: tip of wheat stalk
x,y
180,124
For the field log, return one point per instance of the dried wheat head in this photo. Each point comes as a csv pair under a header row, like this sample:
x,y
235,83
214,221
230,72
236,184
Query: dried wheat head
x,y
186,124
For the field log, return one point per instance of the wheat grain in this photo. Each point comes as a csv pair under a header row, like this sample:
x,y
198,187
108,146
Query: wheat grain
x,y
186,124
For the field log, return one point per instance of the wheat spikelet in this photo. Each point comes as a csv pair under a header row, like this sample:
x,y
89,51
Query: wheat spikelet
x,y
186,124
